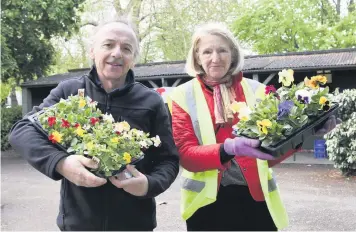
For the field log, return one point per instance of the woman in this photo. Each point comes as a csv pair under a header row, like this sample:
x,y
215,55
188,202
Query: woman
x,y
227,184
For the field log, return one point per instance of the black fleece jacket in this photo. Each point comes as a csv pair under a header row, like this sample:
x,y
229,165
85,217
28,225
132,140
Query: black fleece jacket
x,y
106,207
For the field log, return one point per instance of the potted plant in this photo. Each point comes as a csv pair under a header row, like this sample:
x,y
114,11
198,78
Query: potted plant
x,y
285,117
76,126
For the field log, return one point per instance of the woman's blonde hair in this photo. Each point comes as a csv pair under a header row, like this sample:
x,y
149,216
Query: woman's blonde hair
x,y
193,68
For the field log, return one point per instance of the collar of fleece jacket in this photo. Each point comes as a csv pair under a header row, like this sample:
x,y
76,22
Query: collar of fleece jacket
x,y
130,80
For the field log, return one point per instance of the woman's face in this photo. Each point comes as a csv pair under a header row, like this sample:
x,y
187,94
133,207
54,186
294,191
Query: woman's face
x,y
214,55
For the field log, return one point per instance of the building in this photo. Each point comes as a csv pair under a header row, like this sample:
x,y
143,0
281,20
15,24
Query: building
x,y
338,65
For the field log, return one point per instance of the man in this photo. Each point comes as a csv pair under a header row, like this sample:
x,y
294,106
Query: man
x,y
88,202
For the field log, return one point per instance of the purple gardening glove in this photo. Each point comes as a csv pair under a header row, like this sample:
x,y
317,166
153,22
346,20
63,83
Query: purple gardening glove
x,y
240,146
328,126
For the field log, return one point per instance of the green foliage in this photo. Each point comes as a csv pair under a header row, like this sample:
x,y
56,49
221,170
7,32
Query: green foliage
x,y
175,21
8,117
343,33
293,25
341,142
27,27
5,91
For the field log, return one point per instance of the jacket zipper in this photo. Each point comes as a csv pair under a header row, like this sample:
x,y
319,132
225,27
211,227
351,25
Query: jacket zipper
x,y
106,216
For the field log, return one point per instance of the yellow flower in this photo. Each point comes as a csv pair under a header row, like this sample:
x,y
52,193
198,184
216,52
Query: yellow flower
x,y
90,145
82,103
323,100
127,157
315,81
262,125
115,140
321,79
80,131
286,77
311,83
237,106
55,137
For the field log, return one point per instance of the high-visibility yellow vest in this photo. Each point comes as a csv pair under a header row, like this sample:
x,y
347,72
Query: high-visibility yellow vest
x,y
200,188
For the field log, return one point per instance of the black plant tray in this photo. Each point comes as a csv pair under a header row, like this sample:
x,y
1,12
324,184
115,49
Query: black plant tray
x,y
296,139
34,120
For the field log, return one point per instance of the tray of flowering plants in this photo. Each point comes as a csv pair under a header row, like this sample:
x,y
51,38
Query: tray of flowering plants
x,y
288,116
76,126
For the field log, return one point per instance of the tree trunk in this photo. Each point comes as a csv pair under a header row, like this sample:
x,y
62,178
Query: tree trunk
x,y
338,3
13,97
351,6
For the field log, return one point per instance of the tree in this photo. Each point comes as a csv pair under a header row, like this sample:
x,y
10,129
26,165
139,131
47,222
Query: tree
x,y
293,25
70,54
177,20
5,90
164,28
27,27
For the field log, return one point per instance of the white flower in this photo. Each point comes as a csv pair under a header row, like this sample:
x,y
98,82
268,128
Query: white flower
x,y
143,144
108,118
91,103
244,114
86,127
139,133
126,126
127,136
286,77
303,96
157,141
118,127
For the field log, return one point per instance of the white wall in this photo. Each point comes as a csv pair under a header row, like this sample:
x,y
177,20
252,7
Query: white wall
x,y
18,97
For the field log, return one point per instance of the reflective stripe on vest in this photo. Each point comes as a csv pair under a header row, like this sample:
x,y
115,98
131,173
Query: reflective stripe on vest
x,y
192,185
272,185
192,108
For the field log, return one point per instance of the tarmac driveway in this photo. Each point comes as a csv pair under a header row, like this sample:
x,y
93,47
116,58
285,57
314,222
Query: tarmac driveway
x,y
316,197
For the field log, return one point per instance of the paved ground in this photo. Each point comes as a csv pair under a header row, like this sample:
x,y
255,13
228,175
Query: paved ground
x,y
316,197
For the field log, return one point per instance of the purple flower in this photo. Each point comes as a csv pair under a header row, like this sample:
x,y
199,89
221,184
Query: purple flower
x,y
303,96
284,109
304,100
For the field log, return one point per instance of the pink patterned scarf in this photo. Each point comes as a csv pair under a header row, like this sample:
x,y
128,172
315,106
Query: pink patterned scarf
x,y
224,95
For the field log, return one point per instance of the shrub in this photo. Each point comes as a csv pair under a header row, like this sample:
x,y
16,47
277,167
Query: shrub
x,y
8,117
341,142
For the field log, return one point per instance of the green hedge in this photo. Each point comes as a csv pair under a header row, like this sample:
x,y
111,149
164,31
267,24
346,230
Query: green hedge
x,y
8,117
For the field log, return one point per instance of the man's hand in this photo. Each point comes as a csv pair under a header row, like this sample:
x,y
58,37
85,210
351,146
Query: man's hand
x,y
137,185
73,169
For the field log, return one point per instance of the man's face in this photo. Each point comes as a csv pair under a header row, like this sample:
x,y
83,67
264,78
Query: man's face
x,y
113,51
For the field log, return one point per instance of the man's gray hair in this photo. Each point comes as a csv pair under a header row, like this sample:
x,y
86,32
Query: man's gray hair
x,y
124,20
192,66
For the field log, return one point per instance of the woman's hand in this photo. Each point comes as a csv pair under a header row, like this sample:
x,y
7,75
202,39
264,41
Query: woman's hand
x,y
240,146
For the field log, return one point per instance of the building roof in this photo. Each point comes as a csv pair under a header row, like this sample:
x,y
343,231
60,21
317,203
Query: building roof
x,y
310,60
